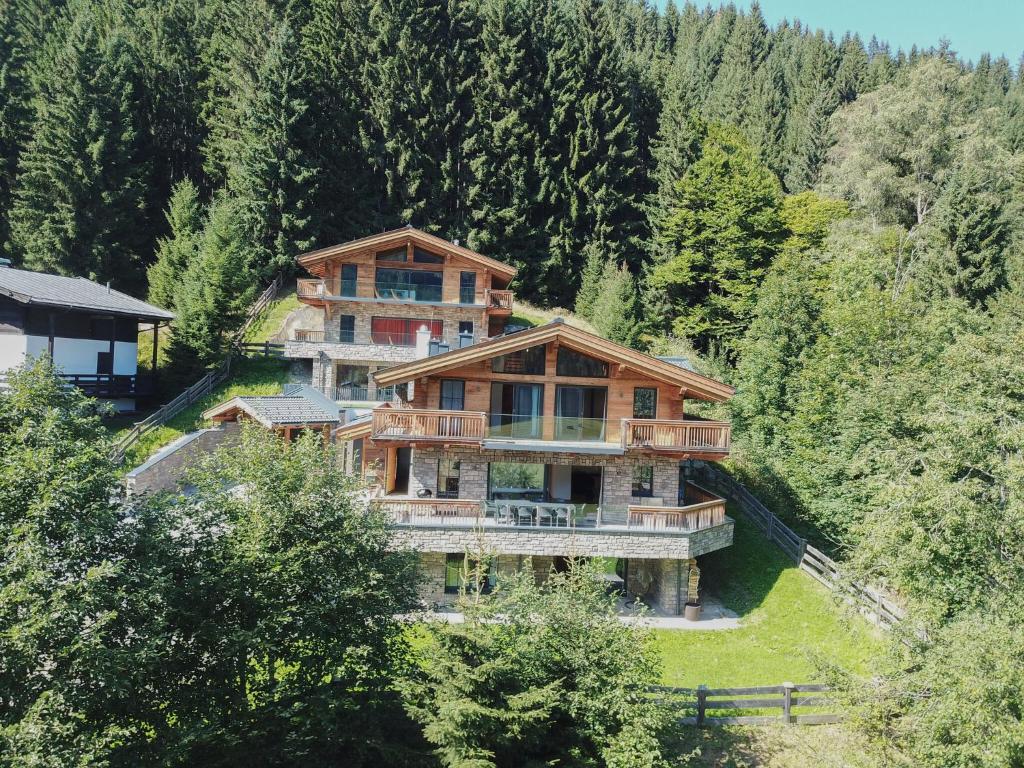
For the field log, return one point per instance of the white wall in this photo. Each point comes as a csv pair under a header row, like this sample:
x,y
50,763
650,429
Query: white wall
x,y
561,481
79,355
12,350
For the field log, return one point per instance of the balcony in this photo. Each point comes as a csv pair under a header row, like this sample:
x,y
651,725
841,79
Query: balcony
x,y
366,394
515,431
666,435
552,517
498,300
110,385
424,425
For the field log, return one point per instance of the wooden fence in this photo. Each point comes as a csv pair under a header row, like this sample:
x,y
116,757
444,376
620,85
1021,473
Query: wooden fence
x,y
205,385
880,607
706,704
261,349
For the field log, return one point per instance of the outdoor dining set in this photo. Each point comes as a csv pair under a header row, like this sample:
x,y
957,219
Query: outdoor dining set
x,y
525,512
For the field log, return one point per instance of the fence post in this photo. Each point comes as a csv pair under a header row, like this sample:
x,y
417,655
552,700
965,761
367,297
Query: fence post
x,y
702,701
787,703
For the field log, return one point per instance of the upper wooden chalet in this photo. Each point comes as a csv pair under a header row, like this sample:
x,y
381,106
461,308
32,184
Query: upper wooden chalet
x,y
406,266
552,388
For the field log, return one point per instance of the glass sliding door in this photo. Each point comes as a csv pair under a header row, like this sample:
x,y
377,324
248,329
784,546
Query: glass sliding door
x,y
579,413
516,410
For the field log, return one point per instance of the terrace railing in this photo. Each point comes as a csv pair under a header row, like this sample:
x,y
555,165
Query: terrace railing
x,y
677,435
543,515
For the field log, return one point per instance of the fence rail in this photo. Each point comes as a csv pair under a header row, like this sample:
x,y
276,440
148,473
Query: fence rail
x,y
261,349
705,702
204,386
882,608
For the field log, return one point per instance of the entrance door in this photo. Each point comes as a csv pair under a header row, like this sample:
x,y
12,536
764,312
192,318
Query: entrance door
x,y
579,413
403,460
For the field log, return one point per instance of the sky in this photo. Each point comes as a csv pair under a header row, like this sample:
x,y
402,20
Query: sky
x,y
971,26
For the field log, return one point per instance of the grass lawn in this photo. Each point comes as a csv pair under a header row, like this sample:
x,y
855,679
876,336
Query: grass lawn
x,y
270,322
790,624
249,376
527,314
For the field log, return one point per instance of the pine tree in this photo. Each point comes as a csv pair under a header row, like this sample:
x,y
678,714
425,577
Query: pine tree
x,y
213,294
616,307
815,100
176,252
768,114
14,106
723,229
80,191
504,139
732,95
589,165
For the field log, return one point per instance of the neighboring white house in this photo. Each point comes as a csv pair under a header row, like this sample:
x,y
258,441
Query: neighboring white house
x,y
89,330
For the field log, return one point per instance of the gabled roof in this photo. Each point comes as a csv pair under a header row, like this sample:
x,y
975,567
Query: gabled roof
x,y
360,427
276,410
314,260
74,293
697,385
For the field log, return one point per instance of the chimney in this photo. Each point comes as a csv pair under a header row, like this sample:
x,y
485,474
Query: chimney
x,y
108,286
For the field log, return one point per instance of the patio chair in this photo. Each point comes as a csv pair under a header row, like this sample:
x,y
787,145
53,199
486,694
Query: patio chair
x,y
563,515
544,516
524,515
505,516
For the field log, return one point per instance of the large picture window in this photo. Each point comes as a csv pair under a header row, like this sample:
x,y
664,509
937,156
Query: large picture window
x,y
409,284
516,410
573,363
529,362
458,569
401,331
448,470
516,481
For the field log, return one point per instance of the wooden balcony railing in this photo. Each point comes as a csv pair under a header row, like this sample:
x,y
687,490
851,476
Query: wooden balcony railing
x,y
308,334
498,299
431,511
661,434
401,423
691,518
311,288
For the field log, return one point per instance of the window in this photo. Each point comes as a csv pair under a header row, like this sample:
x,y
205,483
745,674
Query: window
x,y
349,275
347,329
467,287
645,403
408,284
105,363
426,257
395,254
643,480
573,363
529,362
579,412
448,478
459,569
401,331
508,480
515,410
357,457
465,333
453,395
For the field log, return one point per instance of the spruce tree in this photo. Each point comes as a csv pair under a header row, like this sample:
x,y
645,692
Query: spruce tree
x,y
732,95
590,167
616,307
80,192
213,294
14,105
176,252
503,147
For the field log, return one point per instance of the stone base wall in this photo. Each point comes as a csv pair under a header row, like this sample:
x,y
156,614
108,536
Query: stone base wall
x,y
164,470
431,584
578,542
618,471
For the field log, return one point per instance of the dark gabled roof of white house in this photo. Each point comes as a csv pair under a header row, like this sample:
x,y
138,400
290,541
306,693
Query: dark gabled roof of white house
x,y
39,288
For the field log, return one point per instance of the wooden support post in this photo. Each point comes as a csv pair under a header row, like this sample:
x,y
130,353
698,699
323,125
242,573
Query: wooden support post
x,y
787,703
52,332
702,701
156,344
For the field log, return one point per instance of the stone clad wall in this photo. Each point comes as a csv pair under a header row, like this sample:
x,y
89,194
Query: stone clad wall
x,y
164,470
577,542
618,471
